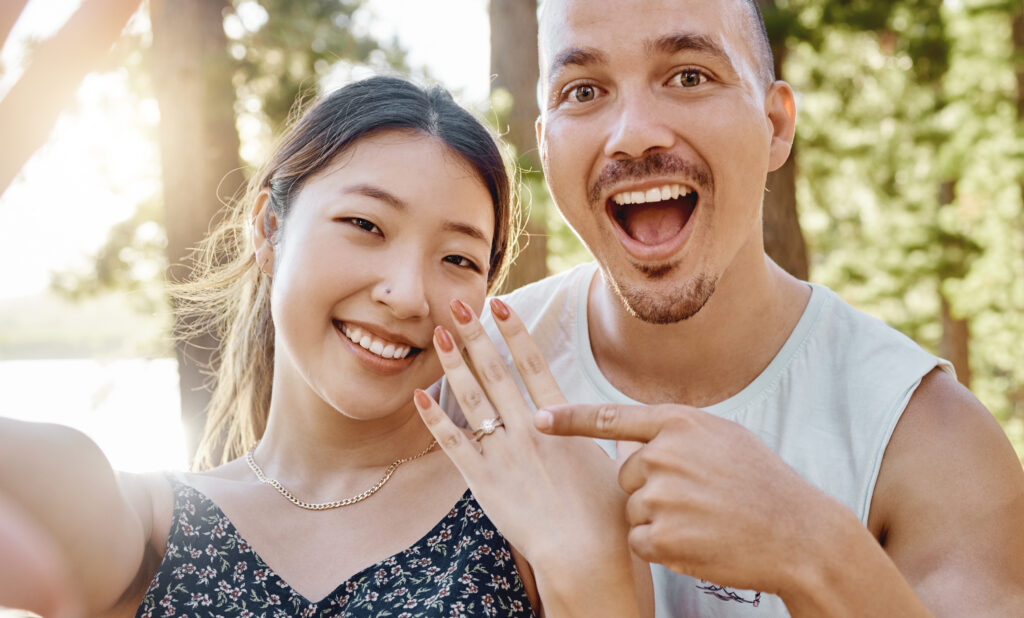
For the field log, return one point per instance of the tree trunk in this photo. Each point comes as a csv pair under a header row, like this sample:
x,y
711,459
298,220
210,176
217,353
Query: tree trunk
x,y
956,335
191,72
955,343
783,238
515,67
9,12
29,111
1018,55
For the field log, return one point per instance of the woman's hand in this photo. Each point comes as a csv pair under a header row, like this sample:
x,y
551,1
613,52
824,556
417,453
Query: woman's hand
x,y
555,499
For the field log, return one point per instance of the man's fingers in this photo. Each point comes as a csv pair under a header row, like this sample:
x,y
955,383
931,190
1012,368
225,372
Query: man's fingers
x,y
530,363
610,421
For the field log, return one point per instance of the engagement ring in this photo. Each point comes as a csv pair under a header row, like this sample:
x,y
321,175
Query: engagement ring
x,y
488,427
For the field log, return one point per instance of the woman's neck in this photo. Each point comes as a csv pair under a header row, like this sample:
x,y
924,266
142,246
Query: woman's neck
x,y
322,455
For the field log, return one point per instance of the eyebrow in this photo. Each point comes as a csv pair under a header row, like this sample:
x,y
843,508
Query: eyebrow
x,y
668,44
377,193
580,56
675,43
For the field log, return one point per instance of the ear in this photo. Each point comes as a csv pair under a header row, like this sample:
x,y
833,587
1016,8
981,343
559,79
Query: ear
x,y
264,226
780,106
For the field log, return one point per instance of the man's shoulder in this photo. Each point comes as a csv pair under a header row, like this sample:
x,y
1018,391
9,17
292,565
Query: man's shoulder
x,y
855,334
550,292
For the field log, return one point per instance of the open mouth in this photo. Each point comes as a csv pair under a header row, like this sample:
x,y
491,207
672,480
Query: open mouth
x,y
655,216
383,348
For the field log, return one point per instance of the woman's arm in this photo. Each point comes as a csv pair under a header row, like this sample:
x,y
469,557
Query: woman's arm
x,y
58,484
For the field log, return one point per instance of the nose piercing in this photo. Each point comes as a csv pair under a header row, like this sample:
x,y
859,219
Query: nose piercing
x,y
387,290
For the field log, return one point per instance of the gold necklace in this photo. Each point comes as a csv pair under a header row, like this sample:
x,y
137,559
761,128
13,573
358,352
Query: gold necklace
x,y
323,506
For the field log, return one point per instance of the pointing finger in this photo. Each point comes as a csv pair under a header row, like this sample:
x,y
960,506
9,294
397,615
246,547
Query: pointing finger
x,y
610,421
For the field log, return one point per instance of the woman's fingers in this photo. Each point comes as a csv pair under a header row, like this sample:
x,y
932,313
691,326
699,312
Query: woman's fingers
x,y
470,395
453,440
530,363
493,375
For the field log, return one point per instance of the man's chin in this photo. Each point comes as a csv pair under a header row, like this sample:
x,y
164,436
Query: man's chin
x,y
663,304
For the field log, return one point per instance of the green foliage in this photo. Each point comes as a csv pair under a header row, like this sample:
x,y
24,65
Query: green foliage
x,y
284,47
887,127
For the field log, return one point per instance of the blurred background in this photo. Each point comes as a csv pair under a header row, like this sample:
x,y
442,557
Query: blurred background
x,y
124,128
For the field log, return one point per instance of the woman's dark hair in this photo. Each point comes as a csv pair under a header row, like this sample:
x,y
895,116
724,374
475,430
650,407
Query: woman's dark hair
x,y
230,294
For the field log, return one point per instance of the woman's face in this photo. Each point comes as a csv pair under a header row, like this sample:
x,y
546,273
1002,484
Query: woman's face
x,y
374,249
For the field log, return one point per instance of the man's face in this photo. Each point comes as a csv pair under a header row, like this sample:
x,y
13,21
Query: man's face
x,y
656,133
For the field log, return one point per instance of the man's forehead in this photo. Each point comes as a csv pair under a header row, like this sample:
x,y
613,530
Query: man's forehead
x,y
569,24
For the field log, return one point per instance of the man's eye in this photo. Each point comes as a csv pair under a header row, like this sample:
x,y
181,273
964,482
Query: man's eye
x,y
583,94
690,78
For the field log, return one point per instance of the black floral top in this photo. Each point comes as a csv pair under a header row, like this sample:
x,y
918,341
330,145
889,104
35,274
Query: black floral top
x,y
461,568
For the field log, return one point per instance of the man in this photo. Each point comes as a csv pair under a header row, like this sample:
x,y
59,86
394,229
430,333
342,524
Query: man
x,y
796,455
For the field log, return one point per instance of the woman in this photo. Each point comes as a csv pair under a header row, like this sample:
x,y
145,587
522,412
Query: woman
x,y
374,231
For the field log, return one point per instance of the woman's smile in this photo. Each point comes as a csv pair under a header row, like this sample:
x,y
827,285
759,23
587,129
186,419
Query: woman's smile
x,y
382,356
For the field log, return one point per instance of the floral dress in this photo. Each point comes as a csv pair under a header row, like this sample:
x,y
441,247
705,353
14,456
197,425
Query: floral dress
x,y
462,567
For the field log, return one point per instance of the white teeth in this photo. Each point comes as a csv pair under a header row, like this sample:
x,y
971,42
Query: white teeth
x,y
380,347
656,194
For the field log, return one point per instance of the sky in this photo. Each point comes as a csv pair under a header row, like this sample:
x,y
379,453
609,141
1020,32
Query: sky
x,y
99,162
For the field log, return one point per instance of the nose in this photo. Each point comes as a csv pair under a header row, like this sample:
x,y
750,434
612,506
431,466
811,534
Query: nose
x,y
639,127
402,289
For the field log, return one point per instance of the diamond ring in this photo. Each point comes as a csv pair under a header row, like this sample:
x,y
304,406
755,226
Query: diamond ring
x,y
487,427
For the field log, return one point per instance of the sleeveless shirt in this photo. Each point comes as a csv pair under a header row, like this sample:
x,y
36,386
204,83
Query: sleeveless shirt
x,y
461,567
826,404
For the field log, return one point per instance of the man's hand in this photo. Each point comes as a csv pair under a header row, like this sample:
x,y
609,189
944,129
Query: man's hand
x,y
707,497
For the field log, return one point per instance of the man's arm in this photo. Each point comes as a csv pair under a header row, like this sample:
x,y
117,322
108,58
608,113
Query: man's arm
x,y
949,504
710,500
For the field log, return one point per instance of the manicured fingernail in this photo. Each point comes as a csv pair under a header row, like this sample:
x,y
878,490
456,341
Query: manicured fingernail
x,y
443,339
543,419
499,309
461,311
422,399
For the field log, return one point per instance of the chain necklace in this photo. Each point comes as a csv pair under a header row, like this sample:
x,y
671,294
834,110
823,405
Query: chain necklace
x,y
323,506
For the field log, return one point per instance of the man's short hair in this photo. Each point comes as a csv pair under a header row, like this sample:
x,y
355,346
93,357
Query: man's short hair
x,y
761,47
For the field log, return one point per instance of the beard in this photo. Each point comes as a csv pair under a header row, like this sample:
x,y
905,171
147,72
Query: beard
x,y
679,303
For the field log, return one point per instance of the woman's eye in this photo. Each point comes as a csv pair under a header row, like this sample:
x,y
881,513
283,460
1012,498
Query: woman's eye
x,y
583,93
363,224
689,78
462,262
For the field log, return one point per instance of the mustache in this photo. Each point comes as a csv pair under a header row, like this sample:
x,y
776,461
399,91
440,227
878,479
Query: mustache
x,y
656,164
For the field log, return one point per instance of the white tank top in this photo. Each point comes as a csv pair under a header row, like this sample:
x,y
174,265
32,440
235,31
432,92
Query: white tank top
x,y
827,404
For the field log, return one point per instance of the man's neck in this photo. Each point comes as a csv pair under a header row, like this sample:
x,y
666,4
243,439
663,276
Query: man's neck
x,y
709,357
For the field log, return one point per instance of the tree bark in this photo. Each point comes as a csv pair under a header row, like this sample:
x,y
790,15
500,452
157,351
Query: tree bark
x,y
514,66
30,109
955,343
956,333
1018,55
783,238
9,12
191,72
